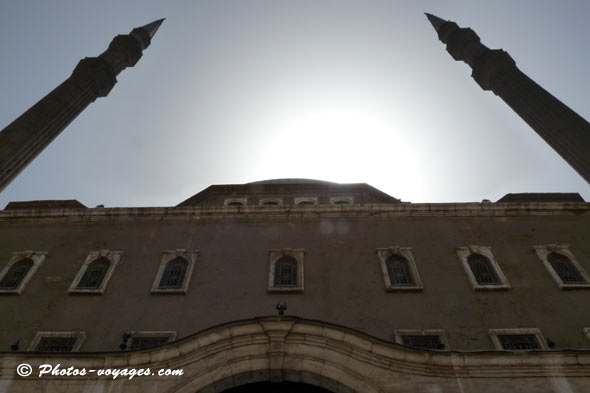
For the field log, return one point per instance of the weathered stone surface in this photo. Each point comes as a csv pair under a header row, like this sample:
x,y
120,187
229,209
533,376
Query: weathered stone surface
x,y
229,366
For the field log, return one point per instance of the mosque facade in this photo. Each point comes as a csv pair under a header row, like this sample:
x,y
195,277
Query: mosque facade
x,y
290,285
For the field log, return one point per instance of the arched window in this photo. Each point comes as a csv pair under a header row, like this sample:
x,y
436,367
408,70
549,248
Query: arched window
x,y
305,203
398,270
15,275
286,272
235,204
482,270
174,273
566,270
342,202
94,274
270,203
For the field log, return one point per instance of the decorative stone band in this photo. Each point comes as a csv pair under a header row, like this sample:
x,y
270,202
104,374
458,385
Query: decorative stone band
x,y
95,73
294,349
311,211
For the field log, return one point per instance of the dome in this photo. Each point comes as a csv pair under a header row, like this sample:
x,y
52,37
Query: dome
x,y
292,181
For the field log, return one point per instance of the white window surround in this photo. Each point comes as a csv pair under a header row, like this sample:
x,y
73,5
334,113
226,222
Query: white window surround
x,y
171,334
274,256
278,201
494,333
348,199
587,332
486,251
406,252
36,256
399,333
312,200
80,337
190,256
563,249
114,258
243,201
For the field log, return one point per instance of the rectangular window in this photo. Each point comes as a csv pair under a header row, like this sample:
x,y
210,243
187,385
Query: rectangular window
x,y
519,342
56,344
147,339
431,339
424,342
57,341
521,339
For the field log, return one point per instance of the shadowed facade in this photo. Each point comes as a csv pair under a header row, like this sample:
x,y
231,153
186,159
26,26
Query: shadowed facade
x,y
374,295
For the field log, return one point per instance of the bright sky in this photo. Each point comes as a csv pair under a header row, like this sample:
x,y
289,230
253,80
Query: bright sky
x,y
347,91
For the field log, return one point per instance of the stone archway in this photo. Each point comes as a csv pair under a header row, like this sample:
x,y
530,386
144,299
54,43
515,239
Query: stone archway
x,y
292,381
285,350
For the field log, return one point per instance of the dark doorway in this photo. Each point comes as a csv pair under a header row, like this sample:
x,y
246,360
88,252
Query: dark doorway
x,y
284,387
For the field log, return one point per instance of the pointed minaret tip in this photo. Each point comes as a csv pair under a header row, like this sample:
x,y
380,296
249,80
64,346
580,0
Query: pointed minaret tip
x,y
151,28
435,20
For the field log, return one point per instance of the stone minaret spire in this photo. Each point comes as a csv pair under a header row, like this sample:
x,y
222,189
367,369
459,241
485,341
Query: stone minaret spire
x,y
23,139
493,69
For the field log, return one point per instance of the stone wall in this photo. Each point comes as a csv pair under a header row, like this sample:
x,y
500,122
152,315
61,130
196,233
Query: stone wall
x,y
343,279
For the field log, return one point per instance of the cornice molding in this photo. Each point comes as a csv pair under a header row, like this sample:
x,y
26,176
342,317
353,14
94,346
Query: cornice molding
x,y
302,212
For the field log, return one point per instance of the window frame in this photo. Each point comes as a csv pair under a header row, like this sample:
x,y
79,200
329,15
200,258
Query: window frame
x,y
348,199
440,333
114,257
406,252
36,256
171,334
298,200
80,337
242,200
544,251
262,201
191,256
464,252
274,255
494,333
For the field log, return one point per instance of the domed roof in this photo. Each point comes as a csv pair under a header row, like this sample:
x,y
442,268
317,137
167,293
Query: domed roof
x,y
291,181
286,190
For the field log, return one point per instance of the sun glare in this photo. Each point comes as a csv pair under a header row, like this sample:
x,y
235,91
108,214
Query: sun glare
x,y
342,142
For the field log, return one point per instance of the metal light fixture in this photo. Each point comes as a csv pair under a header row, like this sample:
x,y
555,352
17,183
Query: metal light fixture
x,y
281,307
126,337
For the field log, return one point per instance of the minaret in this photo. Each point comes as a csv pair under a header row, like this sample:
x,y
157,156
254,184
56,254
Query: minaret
x,y
562,128
26,137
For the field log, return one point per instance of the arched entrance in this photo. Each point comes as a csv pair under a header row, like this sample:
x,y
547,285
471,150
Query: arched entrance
x,y
284,387
290,381
290,354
